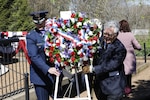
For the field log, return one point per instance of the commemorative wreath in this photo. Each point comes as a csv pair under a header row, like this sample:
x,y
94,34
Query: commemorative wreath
x,y
71,43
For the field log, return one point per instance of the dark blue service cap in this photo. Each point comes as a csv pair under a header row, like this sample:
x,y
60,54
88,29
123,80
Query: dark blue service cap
x,y
39,14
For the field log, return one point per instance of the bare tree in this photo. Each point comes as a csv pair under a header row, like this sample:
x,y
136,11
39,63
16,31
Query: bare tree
x,y
53,6
138,15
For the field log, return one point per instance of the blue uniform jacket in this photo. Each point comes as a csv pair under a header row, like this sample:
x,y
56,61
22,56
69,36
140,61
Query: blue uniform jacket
x,y
111,62
38,68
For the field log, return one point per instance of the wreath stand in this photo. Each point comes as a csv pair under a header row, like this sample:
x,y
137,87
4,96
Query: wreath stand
x,y
70,87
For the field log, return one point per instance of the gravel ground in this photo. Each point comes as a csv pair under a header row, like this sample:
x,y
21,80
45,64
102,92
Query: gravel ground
x,y
141,85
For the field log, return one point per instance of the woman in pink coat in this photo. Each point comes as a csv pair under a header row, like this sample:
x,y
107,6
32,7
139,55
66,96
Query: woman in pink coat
x,y
131,44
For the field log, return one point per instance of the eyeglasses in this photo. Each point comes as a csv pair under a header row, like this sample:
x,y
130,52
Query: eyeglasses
x,y
109,34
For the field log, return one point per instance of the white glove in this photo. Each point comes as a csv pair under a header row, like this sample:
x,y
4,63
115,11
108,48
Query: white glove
x,y
91,68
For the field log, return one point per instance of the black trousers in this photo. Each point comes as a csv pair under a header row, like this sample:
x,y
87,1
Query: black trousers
x,y
101,96
128,79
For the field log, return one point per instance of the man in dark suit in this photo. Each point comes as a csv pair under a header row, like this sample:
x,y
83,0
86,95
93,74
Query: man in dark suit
x,y
109,69
41,74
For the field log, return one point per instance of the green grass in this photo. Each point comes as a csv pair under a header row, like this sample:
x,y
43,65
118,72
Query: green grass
x,y
143,39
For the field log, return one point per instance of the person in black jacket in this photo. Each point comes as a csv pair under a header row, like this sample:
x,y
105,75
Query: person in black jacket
x,y
109,69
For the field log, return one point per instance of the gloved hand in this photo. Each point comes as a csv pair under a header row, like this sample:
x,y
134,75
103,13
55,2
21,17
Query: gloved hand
x,y
87,69
54,71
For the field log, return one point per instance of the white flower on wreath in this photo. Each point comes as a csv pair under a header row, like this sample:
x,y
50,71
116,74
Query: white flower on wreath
x,y
90,33
72,20
79,24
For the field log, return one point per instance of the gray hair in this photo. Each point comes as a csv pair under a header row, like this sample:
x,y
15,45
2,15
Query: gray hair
x,y
113,24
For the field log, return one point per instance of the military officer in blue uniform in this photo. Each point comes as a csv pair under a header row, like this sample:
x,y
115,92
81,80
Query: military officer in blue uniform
x,y
109,69
41,74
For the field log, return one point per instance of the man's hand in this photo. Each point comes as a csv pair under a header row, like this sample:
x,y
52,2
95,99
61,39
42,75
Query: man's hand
x,y
54,71
86,69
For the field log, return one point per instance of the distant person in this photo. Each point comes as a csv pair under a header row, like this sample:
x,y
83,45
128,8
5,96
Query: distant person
x,y
109,70
41,74
131,44
7,50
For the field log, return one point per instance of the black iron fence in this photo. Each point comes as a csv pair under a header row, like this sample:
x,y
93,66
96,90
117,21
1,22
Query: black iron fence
x,y
144,53
14,68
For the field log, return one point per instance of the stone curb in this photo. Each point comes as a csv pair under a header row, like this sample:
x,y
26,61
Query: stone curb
x,y
141,68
